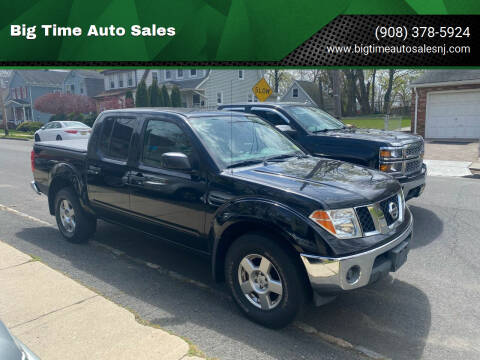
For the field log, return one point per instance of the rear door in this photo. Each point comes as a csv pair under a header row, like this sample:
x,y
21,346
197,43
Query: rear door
x,y
169,202
107,173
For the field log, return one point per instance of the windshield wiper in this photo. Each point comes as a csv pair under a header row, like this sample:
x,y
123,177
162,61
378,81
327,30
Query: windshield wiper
x,y
245,163
326,130
298,155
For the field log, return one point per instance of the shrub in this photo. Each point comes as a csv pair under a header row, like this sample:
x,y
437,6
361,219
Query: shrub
x,y
29,126
90,119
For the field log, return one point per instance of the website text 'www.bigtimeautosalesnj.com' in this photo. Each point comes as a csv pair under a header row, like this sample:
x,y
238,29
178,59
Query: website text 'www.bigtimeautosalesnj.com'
x,y
398,49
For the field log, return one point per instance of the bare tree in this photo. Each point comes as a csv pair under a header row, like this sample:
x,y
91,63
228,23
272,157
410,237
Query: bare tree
x,y
334,75
4,111
374,74
388,94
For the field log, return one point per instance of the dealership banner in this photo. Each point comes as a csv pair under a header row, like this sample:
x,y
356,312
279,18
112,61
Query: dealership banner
x,y
240,32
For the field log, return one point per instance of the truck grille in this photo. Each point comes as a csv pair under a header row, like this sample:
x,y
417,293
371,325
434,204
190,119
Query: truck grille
x,y
376,218
384,208
413,166
414,150
365,219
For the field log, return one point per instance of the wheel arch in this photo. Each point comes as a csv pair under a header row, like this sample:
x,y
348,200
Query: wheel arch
x,y
63,175
285,226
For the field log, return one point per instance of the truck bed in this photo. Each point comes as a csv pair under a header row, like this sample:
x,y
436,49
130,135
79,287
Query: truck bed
x,y
70,145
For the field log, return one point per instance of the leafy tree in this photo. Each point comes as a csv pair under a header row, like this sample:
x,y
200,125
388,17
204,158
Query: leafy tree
x,y
154,95
166,98
142,95
176,97
56,103
129,102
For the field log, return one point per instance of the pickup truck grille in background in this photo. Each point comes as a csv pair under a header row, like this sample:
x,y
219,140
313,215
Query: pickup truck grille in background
x,y
365,219
414,150
413,166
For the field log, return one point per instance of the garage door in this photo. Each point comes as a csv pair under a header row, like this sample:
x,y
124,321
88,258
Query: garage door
x,y
453,115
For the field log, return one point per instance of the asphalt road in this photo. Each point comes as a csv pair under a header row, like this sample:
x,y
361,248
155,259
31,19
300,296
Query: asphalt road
x,y
429,309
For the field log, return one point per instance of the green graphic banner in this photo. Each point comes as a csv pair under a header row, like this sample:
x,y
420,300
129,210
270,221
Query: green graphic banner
x,y
181,30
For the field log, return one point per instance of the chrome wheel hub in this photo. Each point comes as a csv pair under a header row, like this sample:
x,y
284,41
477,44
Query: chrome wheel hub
x,y
260,282
67,216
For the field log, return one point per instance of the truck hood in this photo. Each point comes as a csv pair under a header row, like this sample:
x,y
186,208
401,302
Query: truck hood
x,y
333,183
394,138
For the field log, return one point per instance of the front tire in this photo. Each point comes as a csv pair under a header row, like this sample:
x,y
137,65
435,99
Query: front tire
x,y
265,280
58,138
74,223
37,137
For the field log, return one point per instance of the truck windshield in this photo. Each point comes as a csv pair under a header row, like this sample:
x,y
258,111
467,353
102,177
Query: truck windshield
x,y
313,119
242,140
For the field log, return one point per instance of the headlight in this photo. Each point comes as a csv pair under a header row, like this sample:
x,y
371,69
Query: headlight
x,y
393,167
342,223
389,154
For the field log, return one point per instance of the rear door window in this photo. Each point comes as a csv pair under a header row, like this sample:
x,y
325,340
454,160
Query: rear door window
x,y
115,138
271,117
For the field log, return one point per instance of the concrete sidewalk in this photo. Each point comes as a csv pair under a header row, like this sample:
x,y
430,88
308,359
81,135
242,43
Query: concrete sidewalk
x,y
60,319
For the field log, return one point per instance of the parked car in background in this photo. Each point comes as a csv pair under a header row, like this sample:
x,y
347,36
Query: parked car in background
x,y
13,349
63,130
393,152
275,222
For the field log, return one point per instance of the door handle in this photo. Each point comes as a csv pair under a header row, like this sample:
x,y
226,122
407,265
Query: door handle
x,y
93,170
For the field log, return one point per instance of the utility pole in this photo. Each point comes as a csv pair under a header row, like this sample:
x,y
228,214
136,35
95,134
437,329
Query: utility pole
x,y
336,93
4,112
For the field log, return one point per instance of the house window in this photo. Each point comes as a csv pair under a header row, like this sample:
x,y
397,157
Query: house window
x,y
295,93
196,100
240,74
21,93
154,77
16,94
179,73
130,79
120,80
193,72
168,74
219,97
111,81
26,92
72,89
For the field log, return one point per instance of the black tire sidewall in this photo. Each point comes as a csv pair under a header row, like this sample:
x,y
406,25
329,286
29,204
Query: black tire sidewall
x,y
84,227
37,137
58,138
293,287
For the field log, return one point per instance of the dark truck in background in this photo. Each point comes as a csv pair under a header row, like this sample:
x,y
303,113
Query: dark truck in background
x,y
277,224
396,153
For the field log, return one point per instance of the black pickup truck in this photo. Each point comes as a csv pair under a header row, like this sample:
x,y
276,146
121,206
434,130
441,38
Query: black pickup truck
x,y
276,223
396,153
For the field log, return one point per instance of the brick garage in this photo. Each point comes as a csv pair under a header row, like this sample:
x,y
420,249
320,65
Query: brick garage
x,y
447,104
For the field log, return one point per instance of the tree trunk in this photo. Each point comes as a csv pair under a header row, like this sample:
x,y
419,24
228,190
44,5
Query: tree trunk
x,y
4,112
363,93
373,89
335,76
276,79
351,92
320,90
387,99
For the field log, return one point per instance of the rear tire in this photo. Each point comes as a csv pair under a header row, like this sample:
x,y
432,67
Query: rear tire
x,y
74,223
37,138
265,280
58,138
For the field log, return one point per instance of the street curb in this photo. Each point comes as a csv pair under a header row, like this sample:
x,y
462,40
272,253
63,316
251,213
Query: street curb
x,y
11,138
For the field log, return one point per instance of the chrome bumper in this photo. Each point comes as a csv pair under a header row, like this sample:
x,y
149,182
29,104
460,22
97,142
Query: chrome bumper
x,y
34,186
350,272
418,182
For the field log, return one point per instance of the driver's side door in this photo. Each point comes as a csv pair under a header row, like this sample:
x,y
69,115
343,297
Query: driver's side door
x,y
169,202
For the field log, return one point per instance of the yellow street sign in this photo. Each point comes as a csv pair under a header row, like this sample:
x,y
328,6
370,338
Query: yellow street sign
x,y
262,90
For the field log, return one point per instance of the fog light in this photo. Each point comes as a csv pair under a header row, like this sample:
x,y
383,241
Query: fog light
x,y
353,274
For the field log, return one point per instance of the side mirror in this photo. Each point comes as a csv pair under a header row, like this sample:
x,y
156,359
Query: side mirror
x,y
287,129
176,161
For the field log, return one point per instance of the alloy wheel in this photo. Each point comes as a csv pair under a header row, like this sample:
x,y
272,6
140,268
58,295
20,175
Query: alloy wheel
x,y
67,216
260,282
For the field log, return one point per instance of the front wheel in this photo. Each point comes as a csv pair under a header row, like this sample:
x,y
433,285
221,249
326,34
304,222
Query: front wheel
x,y
58,138
73,222
37,137
265,280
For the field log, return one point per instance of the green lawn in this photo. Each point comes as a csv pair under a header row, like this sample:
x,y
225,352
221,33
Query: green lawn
x,y
14,134
377,122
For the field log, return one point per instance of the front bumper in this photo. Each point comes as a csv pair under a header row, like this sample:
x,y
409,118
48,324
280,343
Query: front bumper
x,y
331,275
413,186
